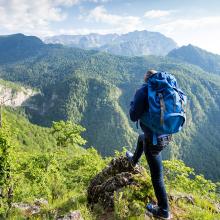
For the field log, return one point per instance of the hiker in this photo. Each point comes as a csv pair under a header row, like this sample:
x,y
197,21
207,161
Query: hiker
x,y
152,143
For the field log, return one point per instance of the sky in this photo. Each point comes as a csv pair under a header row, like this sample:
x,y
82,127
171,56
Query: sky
x,y
189,21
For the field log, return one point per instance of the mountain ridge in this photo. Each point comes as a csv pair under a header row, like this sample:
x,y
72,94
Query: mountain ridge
x,y
136,43
18,47
194,55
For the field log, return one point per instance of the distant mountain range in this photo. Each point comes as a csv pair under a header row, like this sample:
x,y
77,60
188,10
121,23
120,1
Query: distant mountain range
x,y
137,43
194,55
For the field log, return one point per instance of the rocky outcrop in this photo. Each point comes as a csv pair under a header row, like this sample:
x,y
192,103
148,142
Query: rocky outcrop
x,y
118,174
74,215
123,190
34,209
15,97
31,209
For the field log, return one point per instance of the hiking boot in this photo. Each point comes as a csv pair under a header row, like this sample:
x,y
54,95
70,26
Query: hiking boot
x,y
129,155
157,212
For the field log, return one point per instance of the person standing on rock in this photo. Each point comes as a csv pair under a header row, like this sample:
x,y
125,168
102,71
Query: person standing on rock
x,y
156,99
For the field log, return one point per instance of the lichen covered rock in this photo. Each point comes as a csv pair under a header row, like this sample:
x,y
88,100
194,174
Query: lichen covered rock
x,y
120,175
74,215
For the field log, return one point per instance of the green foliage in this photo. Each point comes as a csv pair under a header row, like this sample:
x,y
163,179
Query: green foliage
x,y
57,174
180,182
131,200
121,206
183,178
29,137
67,133
18,47
5,149
7,165
61,176
199,211
208,61
5,171
15,87
94,89
40,175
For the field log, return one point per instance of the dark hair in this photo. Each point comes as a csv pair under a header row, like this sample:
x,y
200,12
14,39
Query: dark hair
x,y
150,73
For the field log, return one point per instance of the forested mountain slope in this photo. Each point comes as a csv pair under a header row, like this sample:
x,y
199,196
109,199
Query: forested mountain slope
x,y
209,62
29,137
95,89
47,174
17,47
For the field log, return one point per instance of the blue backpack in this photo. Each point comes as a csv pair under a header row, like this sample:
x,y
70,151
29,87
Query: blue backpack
x,y
167,104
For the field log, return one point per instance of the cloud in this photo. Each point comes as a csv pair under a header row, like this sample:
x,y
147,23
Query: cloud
x,y
31,17
64,2
156,13
84,31
34,17
99,1
186,24
203,32
120,23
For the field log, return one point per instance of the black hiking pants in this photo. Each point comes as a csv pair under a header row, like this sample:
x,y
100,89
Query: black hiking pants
x,y
154,159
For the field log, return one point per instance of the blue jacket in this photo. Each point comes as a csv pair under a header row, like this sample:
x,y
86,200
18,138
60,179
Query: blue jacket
x,y
139,105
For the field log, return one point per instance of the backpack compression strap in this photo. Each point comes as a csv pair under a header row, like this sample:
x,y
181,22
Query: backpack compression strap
x,y
162,108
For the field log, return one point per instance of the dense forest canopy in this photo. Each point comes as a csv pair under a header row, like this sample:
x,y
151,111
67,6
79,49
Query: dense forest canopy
x,y
207,61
